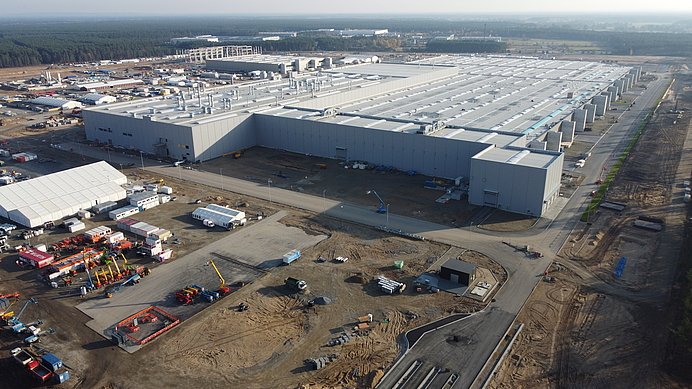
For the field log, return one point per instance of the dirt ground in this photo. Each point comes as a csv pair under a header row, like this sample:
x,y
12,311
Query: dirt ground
x,y
586,327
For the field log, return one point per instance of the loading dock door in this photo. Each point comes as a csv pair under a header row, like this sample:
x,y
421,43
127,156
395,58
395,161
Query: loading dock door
x,y
454,278
490,198
341,153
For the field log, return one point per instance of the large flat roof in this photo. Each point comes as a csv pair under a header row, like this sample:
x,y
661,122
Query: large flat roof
x,y
525,157
503,94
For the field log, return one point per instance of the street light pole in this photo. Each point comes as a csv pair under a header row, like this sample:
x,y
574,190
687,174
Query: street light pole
x,y
471,226
221,174
324,201
269,182
141,157
180,173
387,216
342,215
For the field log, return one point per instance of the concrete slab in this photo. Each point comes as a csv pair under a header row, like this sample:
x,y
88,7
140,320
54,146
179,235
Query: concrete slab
x,y
244,255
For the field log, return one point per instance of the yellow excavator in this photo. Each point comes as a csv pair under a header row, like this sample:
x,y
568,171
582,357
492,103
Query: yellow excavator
x,y
222,288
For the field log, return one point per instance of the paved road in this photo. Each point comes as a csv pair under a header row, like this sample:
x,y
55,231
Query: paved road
x,y
484,329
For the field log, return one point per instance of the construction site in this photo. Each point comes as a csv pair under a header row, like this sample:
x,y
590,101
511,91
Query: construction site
x,y
602,318
290,298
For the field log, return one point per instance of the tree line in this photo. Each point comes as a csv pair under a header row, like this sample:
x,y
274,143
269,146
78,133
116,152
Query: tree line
x,y
41,43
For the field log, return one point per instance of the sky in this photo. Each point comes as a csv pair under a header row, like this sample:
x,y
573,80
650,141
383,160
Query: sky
x,y
29,8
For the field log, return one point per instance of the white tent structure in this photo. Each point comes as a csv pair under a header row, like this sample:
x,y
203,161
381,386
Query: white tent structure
x,y
57,103
48,198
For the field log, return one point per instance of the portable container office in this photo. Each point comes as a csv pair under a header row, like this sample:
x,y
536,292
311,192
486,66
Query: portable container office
x,y
51,361
36,258
164,198
142,229
161,233
144,200
166,190
97,233
104,207
76,227
125,211
126,224
115,237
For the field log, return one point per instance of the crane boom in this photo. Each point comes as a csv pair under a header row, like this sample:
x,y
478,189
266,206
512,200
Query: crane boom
x,y
383,206
222,288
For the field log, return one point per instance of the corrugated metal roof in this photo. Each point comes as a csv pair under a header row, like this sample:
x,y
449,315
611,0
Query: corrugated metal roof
x,y
56,195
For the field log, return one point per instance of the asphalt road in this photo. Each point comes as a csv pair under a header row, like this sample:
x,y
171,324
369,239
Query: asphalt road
x,y
481,331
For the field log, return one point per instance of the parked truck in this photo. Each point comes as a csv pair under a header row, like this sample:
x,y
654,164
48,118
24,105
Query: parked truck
x,y
22,356
295,284
41,372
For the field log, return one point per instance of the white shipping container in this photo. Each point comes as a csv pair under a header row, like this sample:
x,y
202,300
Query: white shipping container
x,y
115,237
76,227
166,190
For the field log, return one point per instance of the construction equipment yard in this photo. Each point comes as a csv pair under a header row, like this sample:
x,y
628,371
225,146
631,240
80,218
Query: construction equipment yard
x,y
582,326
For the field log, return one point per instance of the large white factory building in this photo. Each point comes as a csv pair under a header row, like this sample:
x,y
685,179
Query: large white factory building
x,y
498,122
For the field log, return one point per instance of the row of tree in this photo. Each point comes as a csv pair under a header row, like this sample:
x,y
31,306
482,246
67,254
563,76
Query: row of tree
x,y
24,44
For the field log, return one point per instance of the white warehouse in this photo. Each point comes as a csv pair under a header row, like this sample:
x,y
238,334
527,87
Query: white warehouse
x,y
452,116
34,202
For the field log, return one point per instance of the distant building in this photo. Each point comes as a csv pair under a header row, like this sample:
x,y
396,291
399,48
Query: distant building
x,y
97,98
56,103
198,38
115,84
443,37
354,59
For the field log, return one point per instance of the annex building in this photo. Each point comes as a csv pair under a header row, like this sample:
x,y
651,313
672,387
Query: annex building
x,y
497,122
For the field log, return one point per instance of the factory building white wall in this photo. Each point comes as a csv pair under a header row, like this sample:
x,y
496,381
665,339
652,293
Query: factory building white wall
x,y
512,187
428,155
179,141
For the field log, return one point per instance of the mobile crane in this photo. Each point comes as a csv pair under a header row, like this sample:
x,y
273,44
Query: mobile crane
x,y
222,288
383,206
12,320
